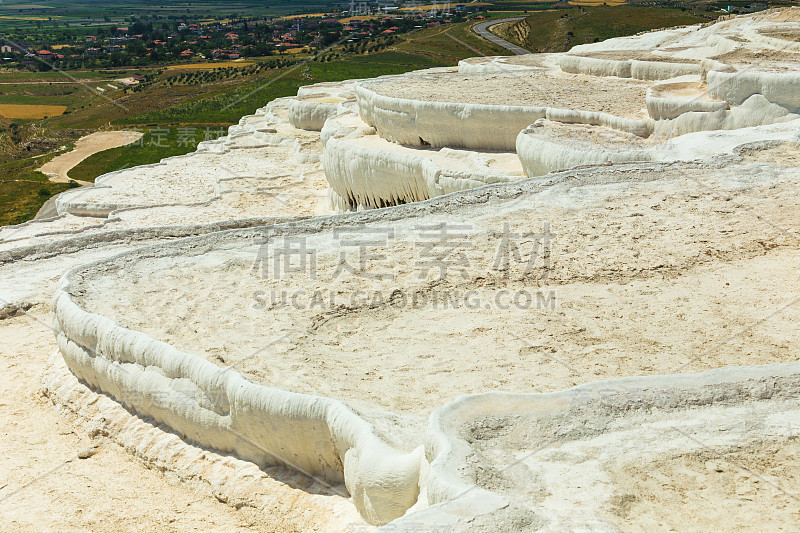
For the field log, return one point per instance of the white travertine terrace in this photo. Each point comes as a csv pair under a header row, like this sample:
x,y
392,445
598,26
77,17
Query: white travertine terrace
x,y
367,171
135,362
468,111
671,99
546,146
651,69
666,341
309,110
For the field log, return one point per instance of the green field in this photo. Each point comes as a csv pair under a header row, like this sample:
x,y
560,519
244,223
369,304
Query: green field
x,y
228,106
73,76
70,95
23,190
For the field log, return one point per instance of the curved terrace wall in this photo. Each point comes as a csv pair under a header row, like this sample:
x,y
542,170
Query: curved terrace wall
x,y
583,412
475,126
755,111
781,88
626,68
219,408
671,99
311,112
364,176
440,124
540,155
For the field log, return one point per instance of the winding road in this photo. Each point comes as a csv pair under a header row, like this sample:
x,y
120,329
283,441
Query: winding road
x,y
482,29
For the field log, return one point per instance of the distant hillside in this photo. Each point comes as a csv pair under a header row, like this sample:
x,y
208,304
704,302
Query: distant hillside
x,y
559,30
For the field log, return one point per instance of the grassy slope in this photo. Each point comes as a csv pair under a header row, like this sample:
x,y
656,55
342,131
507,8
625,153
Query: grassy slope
x,y
23,190
449,44
227,106
560,30
156,144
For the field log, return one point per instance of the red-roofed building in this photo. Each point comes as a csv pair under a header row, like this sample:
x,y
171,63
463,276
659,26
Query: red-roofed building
x,y
230,54
47,55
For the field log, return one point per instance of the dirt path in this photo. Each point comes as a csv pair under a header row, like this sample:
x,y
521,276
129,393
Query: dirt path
x,y
59,166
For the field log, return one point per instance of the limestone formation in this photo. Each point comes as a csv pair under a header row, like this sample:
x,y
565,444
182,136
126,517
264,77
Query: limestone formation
x,y
611,337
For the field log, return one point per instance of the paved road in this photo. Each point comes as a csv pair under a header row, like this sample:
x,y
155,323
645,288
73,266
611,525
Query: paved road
x,y
482,29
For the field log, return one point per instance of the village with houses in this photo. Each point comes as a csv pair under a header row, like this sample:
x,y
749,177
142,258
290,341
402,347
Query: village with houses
x,y
152,41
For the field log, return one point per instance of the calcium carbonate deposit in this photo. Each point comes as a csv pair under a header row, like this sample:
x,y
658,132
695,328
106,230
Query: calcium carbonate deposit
x,y
555,293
